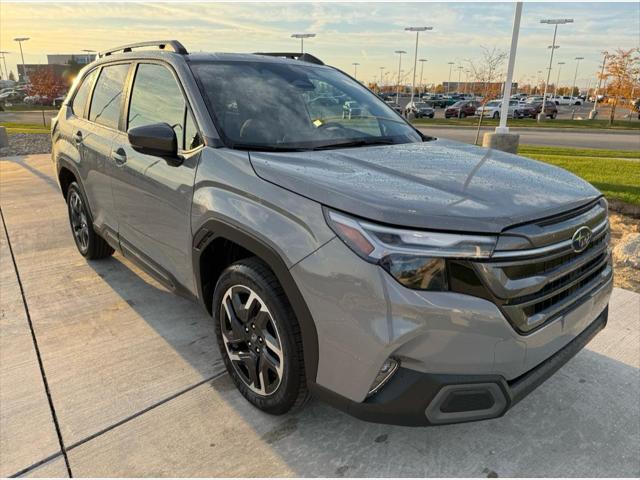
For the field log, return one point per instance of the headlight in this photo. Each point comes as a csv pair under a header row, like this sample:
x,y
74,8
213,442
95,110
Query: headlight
x,y
415,258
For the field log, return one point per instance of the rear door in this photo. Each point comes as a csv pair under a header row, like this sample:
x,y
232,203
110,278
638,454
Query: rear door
x,y
153,195
94,135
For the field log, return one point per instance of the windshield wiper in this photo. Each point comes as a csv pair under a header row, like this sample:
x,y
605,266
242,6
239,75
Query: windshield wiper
x,y
356,143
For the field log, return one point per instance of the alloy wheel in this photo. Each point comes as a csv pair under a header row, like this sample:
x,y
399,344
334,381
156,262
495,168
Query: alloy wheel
x,y
79,223
252,340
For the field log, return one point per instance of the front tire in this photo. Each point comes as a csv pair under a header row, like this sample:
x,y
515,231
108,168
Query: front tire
x,y
90,245
496,115
259,337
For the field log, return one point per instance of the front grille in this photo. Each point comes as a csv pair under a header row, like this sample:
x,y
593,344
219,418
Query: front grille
x,y
534,286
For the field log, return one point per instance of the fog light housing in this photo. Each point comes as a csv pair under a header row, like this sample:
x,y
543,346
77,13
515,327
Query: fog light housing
x,y
389,367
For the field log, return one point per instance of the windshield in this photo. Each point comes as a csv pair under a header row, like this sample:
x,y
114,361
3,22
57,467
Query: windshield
x,y
280,106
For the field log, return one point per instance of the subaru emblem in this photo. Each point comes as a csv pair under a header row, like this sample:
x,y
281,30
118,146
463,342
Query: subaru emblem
x,y
580,240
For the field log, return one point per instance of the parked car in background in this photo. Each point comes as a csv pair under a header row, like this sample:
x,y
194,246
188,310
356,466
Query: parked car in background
x,y
550,109
351,109
566,100
38,100
395,106
492,109
462,109
420,110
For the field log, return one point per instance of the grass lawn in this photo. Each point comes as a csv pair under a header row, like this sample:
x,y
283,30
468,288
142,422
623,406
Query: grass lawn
x,y
614,172
24,128
530,122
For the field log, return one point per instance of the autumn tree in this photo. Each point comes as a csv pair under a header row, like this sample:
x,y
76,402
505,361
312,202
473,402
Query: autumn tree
x,y
621,72
46,83
485,72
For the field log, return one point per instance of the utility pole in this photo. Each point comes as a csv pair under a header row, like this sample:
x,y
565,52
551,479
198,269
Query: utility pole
x,y
555,87
24,68
302,36
594,113
575,76
422,62
399,52
555,22
355,69
415,55
449,82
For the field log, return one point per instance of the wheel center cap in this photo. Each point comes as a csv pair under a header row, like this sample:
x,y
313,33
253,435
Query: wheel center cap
x,y
254,338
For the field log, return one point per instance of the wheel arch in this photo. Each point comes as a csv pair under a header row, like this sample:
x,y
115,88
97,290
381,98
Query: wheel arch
x,y
218,233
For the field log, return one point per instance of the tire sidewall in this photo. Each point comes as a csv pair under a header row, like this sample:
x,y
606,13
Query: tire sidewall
x,y
287,392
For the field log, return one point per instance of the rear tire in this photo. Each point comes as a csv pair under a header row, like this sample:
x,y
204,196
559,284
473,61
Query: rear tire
x,y
90,245
259,337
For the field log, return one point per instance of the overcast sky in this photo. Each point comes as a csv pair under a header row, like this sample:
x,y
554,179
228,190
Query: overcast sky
x,y
367,33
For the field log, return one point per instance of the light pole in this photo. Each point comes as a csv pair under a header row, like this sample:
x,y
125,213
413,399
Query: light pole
x,y
4,60
24,68
555,22
594,113
506,94
555,87
575,75
381,79
399,52
422,62
302,36
460,68
451,64
87,53
415,54
355,69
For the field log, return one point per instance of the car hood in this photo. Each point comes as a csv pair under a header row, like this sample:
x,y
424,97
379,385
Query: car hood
x,y
440,184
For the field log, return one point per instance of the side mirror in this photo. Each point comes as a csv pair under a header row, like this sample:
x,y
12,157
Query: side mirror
x,y
157,139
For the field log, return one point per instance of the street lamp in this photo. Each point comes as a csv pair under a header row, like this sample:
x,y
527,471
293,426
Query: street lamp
x,y
381,79
422,62
87,53
302,36
4,60
399,52
415,56
555,87
594,113
24,68
575,75
460,68
355,69
555,22
451,64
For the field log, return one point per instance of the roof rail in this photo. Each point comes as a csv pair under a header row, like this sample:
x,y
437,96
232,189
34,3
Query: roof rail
x,y
303,57
175,45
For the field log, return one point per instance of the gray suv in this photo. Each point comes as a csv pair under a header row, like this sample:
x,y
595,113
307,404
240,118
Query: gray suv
x,y
402,278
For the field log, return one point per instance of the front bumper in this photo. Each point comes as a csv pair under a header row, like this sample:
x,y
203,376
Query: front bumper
x,y
413,398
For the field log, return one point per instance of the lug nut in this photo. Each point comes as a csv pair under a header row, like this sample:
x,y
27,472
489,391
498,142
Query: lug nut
x,y
257,350
253,325
249,343
246,329
260,338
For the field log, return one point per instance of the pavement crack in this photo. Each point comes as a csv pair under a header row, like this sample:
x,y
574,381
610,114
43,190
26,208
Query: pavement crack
x,y
37,349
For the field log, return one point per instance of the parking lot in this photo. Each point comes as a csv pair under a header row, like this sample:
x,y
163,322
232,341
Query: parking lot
x,y
137,387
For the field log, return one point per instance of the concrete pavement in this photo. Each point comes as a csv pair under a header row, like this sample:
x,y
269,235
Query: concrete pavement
x,y
138,388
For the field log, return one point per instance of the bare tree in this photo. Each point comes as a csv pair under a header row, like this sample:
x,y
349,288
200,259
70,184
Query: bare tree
x,y
485,72
621,71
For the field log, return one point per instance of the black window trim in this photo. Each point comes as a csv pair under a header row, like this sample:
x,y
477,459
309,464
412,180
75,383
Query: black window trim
x,y
93,88
124,117
87,102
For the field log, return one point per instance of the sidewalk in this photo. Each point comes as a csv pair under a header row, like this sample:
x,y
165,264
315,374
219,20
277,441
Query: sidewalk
x,y
137,386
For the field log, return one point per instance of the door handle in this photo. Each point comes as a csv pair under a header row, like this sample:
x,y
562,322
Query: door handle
x,y
119,156
77,137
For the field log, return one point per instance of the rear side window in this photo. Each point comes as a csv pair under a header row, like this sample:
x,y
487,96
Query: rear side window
x,y
107,96
157,98
80,99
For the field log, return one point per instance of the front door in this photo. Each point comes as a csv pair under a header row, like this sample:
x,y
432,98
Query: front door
x,y
153,195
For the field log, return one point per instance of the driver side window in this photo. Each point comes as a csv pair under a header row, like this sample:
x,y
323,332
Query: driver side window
x,y
156,97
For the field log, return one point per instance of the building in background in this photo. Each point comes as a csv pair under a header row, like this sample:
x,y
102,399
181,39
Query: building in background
x,y
63,65
476,87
